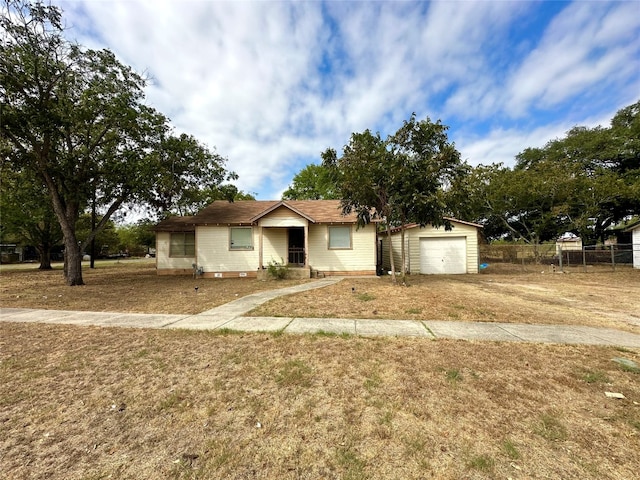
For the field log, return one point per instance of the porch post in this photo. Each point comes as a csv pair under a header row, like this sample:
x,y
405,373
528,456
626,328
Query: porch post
x,y
260,265
306,244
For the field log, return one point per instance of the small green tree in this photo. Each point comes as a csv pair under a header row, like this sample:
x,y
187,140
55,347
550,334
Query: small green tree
x,y
313,182
403,179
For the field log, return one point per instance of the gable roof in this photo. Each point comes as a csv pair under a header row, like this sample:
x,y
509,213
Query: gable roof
x,y
451,219
248,212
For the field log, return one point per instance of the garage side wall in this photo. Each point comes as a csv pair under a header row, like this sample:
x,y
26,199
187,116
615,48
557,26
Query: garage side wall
x,y
397,253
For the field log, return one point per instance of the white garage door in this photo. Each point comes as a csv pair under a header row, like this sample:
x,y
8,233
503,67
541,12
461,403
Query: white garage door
x,y
443,255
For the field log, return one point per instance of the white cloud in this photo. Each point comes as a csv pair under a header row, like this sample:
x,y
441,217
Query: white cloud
x,y
272,84
587,44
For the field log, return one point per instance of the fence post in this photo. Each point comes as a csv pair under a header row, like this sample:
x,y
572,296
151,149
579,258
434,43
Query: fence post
x,y
584,258
613,258
560,257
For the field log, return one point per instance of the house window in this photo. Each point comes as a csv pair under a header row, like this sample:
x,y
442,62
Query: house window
x,y
241,238
339,237
183,244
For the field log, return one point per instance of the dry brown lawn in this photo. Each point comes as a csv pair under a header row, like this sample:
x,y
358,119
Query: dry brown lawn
x,y
125,286
601,299
97,403
93,403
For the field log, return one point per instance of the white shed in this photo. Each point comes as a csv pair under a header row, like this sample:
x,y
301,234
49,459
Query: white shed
x,y
635,242
431,250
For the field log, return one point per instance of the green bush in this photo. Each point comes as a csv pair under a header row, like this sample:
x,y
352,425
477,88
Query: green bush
x,y
276,270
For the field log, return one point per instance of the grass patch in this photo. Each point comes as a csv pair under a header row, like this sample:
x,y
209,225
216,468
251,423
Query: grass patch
x,y
326,334
509,447
372,382
550,427
294,373
365,297
225,331
414,311
590,376
453,375
353,465
483,463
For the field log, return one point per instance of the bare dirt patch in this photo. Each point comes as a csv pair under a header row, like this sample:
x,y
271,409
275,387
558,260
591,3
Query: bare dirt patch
x,y
86,402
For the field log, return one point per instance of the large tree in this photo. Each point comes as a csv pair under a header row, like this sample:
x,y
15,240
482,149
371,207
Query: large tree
x,y
313,182
403,179
192,178
583,182
76,118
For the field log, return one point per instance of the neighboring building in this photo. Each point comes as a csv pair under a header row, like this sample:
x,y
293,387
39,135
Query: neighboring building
x,y
240,239
635,242
568,241
10,253
431,250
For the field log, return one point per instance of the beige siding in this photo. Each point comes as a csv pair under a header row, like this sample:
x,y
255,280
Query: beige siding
x,y
164,261
214,255
282,217
360,258
412,245
636,247
274,246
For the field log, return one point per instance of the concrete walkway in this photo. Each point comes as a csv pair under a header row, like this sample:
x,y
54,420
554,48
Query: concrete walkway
x,y
230,316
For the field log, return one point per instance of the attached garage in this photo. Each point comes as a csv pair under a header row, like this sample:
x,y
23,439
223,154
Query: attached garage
x,y
435,251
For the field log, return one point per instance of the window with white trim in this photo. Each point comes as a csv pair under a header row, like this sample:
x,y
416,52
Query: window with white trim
x,y
339,237
240,238
182,244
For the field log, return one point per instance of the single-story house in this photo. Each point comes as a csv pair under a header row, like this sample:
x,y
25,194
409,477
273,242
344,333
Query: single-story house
x,y
635,244
241,239
432,250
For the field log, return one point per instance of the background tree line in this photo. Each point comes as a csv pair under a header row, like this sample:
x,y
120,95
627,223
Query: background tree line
x,y
583,183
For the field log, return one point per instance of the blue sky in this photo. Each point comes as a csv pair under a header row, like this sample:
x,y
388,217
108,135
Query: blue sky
x,y
272,84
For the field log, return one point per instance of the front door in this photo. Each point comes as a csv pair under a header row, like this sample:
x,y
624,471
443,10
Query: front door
x,y
296,246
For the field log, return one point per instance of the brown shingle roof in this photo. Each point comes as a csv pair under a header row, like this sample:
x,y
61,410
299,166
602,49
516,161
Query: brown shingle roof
x,y
176,224
250,211
451,219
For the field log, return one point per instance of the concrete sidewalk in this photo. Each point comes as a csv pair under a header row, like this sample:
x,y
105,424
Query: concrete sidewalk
x,y
230,316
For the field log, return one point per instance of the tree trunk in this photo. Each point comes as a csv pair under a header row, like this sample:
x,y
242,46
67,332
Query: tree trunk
x,y
403,256
44,252
72,262
393,265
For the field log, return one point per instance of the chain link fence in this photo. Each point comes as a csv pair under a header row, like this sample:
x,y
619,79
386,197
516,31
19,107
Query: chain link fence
x,y
552,257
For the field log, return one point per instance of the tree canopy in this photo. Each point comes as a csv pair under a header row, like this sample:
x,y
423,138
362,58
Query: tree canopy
x,y
313,182
76,119
583,183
